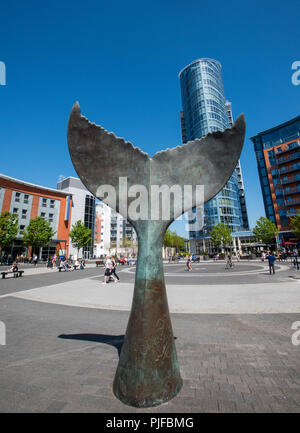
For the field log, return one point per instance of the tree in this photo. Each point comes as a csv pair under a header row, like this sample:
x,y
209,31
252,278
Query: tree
x,y
80,235
38,233
295,224
172,239
221,236
265,230
8,229
126,243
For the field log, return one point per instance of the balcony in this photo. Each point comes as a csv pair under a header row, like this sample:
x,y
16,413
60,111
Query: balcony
x,y
288,158
291,191
292,179
296,145
292,213
290,169
292,202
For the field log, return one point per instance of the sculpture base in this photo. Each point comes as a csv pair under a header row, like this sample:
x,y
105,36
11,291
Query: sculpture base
x,y
148,401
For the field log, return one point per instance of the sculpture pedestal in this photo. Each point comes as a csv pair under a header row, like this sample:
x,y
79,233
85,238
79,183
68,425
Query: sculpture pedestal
x,y
148,371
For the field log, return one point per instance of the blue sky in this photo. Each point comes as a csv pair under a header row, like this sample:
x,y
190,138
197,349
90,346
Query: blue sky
x,y
121,61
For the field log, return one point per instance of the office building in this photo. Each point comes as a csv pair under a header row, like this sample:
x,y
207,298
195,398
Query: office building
x,y
278,160
204,110
83,209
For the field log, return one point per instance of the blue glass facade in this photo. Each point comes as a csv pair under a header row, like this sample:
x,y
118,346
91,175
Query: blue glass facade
x,y
204,110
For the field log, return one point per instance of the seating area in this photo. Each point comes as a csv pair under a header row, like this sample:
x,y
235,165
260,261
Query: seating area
x,y
16,274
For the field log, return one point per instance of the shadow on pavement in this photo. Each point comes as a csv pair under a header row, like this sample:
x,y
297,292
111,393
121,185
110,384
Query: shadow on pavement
x,y
113,340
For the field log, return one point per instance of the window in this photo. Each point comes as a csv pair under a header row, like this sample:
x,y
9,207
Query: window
x,y
18,195
24,213
52,203
43,215
22,227
50,217
44,202
15,210
26,198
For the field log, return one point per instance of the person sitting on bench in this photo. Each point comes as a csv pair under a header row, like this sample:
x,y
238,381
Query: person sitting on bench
x,y
14,267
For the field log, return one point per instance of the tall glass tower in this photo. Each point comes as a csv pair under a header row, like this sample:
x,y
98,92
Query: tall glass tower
x,y
204,110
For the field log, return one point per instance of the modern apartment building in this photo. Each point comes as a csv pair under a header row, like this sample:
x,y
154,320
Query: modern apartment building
x,y
204,110
29,201
83,208
278,160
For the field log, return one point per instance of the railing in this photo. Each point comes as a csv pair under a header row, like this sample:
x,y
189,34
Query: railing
x,y
296,144
291,191
291,213
288,158
290,169
290,180
291,202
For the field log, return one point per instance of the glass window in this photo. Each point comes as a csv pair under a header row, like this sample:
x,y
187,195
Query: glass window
x,y
44,202
24,213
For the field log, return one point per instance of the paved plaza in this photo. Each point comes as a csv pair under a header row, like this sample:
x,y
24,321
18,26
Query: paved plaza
x,y
232,330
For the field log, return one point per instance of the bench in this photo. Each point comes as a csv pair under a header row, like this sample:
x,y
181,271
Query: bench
x,y
16,273
99,263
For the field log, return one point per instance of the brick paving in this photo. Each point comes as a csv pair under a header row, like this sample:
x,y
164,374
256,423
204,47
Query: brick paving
x,y
63,359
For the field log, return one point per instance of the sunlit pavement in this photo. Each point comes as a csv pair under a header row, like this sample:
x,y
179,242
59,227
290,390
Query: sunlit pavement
x,y
232,328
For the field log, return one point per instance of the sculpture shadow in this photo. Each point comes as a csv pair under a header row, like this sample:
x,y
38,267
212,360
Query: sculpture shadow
x,y
112,340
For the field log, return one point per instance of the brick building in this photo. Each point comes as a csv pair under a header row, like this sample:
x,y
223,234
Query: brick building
x,y
278,160
28,201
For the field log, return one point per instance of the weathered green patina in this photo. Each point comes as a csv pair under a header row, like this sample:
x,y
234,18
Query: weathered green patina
x,y
148,372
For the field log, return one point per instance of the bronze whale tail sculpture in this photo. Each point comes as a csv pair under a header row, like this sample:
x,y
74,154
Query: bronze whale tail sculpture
x,y
148,372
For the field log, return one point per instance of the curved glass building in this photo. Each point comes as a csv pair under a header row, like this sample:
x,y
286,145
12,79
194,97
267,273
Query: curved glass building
x,y
204,110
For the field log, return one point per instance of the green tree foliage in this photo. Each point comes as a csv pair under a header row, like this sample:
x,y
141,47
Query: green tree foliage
x,y
38,233
80,235
8,229
221,236
126,243
295,224
172,239
265,230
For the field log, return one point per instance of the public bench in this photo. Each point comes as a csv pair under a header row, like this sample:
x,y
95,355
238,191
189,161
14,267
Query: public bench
x,y
16,273
99,263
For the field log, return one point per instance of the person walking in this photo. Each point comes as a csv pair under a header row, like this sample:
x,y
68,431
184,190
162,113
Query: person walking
x,y
189,263
295,253
271,259
114,267
108,271
35,259
228,261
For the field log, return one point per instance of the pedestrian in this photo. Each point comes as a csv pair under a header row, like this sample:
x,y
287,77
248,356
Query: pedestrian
x,y
49,262
114,267
271,259
108,271
35,259
189,263
228,261
295,253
